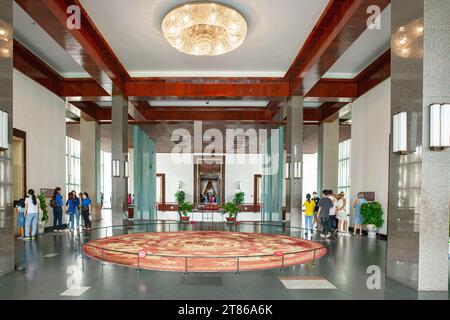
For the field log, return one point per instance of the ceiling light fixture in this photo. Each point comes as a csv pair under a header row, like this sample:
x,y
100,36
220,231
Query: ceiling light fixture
x,y
204,28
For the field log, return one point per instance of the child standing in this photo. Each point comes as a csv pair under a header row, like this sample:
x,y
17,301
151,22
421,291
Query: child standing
x,y
20,209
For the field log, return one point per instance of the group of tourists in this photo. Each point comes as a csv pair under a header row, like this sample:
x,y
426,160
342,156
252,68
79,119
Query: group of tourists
x,y
329,213
29,209
76,204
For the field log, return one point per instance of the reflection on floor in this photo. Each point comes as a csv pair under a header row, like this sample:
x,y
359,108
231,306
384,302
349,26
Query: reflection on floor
x,y
52,266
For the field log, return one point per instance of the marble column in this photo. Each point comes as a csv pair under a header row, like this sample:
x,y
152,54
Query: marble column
x,y
6,179
419,187
294,146
119,148
90,160
328,156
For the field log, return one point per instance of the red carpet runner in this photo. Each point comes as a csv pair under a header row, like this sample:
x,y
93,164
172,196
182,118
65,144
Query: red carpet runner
x,y
207,251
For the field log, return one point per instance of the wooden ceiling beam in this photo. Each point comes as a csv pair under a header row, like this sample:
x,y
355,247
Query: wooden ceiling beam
x,y
85,45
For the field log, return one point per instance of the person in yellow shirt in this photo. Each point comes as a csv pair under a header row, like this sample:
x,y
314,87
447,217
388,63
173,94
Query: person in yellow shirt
x,y
309,212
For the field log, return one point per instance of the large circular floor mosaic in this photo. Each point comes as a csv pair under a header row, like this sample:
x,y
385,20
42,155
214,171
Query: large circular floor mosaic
x,y
206,251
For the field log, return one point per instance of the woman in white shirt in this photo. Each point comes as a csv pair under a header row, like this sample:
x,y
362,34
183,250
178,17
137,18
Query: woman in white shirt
x,y
32,209
342,213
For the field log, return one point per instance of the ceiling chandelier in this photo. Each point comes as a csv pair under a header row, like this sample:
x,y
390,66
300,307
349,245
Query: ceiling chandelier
x,y
204,28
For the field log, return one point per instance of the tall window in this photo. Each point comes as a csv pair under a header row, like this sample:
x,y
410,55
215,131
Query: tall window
x,y
72,164
344,167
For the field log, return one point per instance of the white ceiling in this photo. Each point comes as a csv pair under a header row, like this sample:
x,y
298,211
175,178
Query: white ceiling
x,y
369,46
35,39
277,31
212,103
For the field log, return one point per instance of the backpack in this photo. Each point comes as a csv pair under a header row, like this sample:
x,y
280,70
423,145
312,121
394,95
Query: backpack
x,y
53,203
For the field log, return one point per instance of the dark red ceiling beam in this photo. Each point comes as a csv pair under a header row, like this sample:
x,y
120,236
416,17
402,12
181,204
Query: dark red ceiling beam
x,y
377,72
76,87
334,88
85,45
34,68
146,89
340,25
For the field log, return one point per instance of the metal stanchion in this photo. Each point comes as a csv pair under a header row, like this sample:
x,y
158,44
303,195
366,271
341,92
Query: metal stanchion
x,y
138,263
314,258
185,266
282,264
238,271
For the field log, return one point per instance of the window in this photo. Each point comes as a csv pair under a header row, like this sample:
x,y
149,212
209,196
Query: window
x,y
72,164
344,169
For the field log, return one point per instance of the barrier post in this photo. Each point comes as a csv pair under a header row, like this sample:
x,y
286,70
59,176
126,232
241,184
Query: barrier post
x,y
314,258
185,266
238,271
138,263
282,264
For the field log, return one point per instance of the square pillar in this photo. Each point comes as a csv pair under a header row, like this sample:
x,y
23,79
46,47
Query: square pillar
x,y
419,186
119,148
294,157
90,160
328,156
6,164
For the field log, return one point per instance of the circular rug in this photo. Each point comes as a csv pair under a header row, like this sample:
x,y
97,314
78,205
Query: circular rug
x,y
204,251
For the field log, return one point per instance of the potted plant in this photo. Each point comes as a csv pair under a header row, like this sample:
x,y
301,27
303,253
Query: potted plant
x,y
180,196
231,209
43,203
185,208
372,213
239,198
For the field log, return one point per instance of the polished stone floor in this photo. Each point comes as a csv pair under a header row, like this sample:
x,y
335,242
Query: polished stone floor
x,y
53,263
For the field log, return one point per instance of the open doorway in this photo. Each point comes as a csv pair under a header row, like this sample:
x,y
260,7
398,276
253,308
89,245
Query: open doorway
x,y
19,168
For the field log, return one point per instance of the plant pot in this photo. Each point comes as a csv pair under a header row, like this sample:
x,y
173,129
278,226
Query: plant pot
x,y
371,231
185,219
231,220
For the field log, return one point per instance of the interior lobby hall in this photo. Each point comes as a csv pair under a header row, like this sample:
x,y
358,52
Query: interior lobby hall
x,y
224,150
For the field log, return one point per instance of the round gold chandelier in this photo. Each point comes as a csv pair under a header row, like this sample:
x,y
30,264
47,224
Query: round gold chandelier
x,y
204,28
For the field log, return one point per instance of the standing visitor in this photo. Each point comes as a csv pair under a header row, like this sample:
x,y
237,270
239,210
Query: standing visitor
x,y
20,209
71,208
86,208
358,218
57,203
333,210
316,200
130,199
309,212
77,208
102,199
32,208
342,213
325,205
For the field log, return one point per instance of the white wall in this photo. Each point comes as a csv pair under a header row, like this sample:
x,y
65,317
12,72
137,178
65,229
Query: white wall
x,y
234,172
176,172
41,114
370,146
243,172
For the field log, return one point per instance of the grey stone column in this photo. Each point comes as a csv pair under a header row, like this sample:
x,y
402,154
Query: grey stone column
x,y
119,149
90,160
6,179
294,146
328,156
419,188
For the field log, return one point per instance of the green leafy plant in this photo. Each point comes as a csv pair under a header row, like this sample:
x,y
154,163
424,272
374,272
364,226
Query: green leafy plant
x,y
186,208
230,208
43,202
180,195
239,198
372,213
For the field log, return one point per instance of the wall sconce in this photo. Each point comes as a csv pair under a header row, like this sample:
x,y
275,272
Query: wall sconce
x,y
126,168
116,168
238,185
439,127
297,170
287,170
4,141
400,135
180,184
